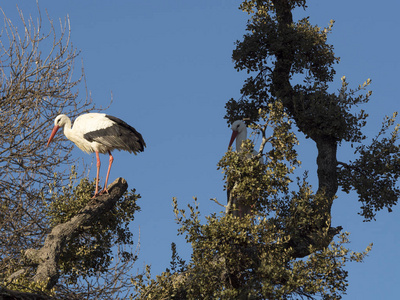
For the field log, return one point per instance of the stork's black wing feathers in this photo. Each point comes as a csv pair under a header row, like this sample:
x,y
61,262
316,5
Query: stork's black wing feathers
x,y
119,136
131,132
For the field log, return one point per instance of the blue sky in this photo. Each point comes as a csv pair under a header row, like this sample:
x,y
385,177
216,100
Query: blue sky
x,y
168,66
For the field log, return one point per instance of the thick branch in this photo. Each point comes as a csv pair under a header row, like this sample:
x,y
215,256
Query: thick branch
x,y
327,167
326,145
48,256
14,295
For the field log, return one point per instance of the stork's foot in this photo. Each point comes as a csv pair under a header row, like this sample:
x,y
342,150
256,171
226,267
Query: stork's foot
x,y
104,191
96,194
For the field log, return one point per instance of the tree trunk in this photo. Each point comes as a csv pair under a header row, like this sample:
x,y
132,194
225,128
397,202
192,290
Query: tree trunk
x,y
326,145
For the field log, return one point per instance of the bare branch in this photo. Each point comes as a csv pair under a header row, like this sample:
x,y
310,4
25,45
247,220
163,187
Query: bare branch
x,y
216,201
36,83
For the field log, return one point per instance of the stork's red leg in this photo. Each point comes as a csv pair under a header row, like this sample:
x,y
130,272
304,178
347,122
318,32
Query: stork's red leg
x,y
97,174
111,159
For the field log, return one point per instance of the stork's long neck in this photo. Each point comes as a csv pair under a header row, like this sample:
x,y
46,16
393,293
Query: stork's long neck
x,y
242,136
68,130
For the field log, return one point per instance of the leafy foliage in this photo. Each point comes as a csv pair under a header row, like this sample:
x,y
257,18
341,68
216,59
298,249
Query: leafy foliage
x,y
92,251
248,258
24,284
276,50
282,52
374,174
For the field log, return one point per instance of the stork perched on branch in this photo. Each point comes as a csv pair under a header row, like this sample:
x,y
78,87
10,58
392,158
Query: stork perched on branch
x,y
100,133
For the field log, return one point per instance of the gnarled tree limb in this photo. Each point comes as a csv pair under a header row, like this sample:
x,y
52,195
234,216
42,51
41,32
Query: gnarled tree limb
x,y
48,256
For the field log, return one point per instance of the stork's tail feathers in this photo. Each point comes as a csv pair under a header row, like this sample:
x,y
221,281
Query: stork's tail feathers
x,y
132,140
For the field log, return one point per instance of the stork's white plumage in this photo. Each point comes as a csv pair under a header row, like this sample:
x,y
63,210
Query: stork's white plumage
x,y
99,133
239,133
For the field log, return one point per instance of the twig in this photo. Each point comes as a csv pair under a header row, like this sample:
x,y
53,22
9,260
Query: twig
x,y
216,201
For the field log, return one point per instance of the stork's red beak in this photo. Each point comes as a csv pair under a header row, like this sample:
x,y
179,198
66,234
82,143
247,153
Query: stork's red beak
x,y
53,133
233,137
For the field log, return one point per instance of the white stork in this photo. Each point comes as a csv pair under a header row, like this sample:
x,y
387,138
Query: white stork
x,y
100,133
239,133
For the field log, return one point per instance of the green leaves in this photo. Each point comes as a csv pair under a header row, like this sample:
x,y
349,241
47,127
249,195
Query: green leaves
x,y
68,200
250,258
374,174
91,252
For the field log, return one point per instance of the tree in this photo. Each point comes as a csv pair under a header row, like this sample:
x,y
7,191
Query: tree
x,y
287,248
55,240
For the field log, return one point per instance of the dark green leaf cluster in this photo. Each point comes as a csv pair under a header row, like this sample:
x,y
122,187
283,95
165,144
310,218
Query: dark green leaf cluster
x,y
250,6
244,109
320,113
374,174
282,52
305,45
